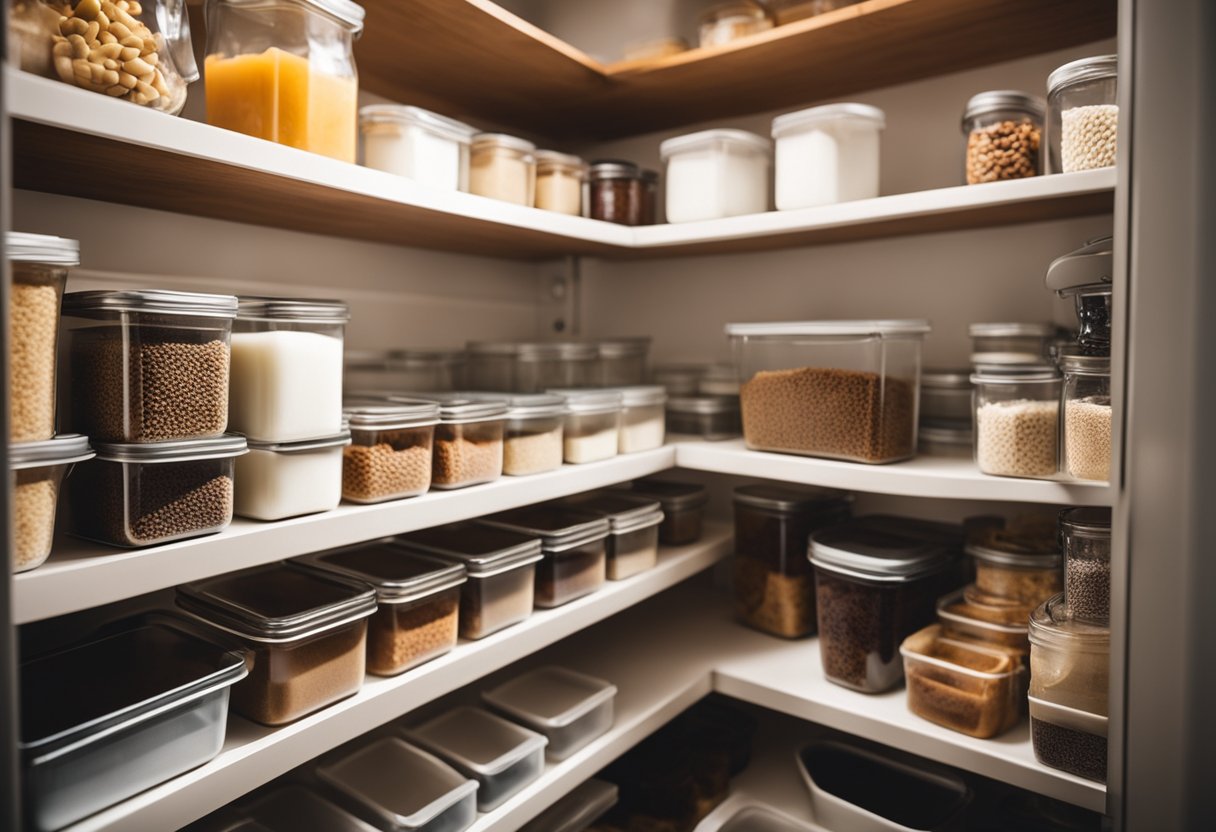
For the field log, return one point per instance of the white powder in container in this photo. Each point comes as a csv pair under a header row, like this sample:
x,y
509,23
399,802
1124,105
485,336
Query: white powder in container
x,y
277,481
827,154
591,447
285,385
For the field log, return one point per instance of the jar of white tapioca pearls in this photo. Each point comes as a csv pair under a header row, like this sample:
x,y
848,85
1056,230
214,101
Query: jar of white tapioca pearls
x,y
1017,414
1083,108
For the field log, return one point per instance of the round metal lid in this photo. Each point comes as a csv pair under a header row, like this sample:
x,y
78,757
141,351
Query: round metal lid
x,y
792,498
448,128
337,440
1085,69
163,301
1085,365
997,100
780,329
23,247
703,405
64,449
179,450
503,140
946,379
1014,374
1012,330
612,169
1086,521
696,141
291,309
884,548
389,415
853,111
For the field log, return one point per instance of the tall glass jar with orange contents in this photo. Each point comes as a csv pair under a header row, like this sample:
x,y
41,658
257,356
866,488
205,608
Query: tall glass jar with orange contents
x,y
284,70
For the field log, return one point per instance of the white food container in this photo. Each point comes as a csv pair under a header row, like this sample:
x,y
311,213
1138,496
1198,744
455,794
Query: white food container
x,y
593,424
287,479
827,154
431,149
569,708
716,173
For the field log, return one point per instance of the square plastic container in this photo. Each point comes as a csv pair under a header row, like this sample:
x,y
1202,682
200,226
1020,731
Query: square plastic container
x,y
559,182
502,167
576,811
307,633
574,545
386,372
396,787
531,366
532,436
642,424
295,806
431,149
418,598
1086,535
288,479
716,173
501,569
390,452
837,389
569,708
37,470
501,756
1018,561
147,366
633,537
141,495
622,361
827,154
683,505
109,718
593,424
1069,739
468,440
712,418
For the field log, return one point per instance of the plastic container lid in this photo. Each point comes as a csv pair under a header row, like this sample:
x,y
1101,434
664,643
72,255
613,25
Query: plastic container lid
x,y
338,440
1052,625
64,449
252,308
965,658
623,347
642,395
952,609
785,329
1085,69
23,247
537,350
558,528
550,697
672,496
525,405
585,402
459,408
995,101
625,514
448,128
790,499
1012,330
505,141
178,450
160,301
1086,521
703,405
846,111
402,786
885,548
390,415
707,138
384,359
476,741
957,379
1085,365
1088,270
577,810
397,575
294,807
484,550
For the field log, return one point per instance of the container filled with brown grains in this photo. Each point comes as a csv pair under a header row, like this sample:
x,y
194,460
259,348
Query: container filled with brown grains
x,y
38,469
1004,130
468,440
1019,560
389,456
418,598
155,492
574,544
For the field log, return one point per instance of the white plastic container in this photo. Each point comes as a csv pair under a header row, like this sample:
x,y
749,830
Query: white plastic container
x,y
287,479
431,149
716,173
827,154
569,708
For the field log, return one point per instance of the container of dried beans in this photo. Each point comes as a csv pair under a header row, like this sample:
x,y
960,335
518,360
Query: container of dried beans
x,y
468,440
38,469
389,456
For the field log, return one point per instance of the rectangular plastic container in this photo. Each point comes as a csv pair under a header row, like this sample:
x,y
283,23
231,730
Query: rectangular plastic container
x,y
387,372
146,366
642,424
531,366
431,149
1085,533
396,787
716,173
295,806
570,709
289,479
1069,739
827,154
683,505
390,455
500,755
837,389
633,536
593,424
622,361
162,710
144,494
468,440
574,544
307,633
712,418
37,470
501,569
417,596
532,436
578,810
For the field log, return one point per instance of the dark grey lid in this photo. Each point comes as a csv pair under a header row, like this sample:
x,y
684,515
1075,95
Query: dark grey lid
x,y
178,450
23,247
64,449
484,550
161,301
792,498
672,496
995,101
558,527
885,548
398,576
1088,270
254,308
1086,521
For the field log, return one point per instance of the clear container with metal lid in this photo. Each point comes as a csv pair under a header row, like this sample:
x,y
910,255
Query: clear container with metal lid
x,y
468,439
501,568
429,148
877,581
1086,275
574,544
1087,416
288,479
307,633
633,533
418,599
155,492
531,366
719,173
1010,343
712,418
292,805
1086,535
390,452
146,365
403,371
569,708
614,192
945,396
945,439
1018,558
1017,414
593,424
559,182
532,434
827,154
642,418
38,267
37,470
1083,108
622,361
683,505
680,379
503,167
1004,130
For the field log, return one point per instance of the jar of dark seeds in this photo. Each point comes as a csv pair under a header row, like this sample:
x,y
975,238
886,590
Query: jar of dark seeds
x,y
1086,535
1004,130
615,192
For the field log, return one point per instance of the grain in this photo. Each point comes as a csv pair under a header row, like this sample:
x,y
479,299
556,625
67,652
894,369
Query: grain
x,y
1003,150
34,494
532,453
1088,137
1087,588
783,605
1087,434
1017,438
461,459
1069,750
384,471
827,412
401,636
33,320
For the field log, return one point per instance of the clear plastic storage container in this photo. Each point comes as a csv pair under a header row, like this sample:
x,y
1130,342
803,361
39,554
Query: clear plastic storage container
x,y
593,424
680,379
532,435
945,396
307,633
827,154
390,452
574,545
285,72
1087,416
1085,533
104,720
578,810
683,505
501,756
1069,739
531,367
1083,105
468,440
728,22
974,620
570,709
39,269
622,361
1004,130
716,173
1086,276
712,418
837,389
503,167
295,806
633,537
403,371
288,479
431,149
877,581
643,427
1019,560
37,470
614,192
1017,415
147,365
141,495
774,582
287,368
1010,343
559,182
396,787
501,569
418,598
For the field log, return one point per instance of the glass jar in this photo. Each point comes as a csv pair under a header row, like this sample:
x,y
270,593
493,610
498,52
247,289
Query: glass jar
x,y
1010,343
284,70
1004,130
712,418
712,174
431,149
39,267
403,371
1085,533
593,425
623,361
1017,415
390,452
574,544
532,437
559,182
1083,105
37,470
290,479
503,167
945,396
728,22
1087,417
1086,275
613,192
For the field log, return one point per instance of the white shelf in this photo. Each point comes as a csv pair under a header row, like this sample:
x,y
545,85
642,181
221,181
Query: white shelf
x,y
254,754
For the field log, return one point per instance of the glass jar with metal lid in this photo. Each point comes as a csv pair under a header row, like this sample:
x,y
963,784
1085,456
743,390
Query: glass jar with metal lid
x,y
1086,275
502,167
39,270
614,189
1010,343
431,149
1017,415
1018,559
1004,130
593,424
574,544
1083,108
390,452
37,470
532,435
1085,533
712,418
289,479
402,371
531,366
622,361
468,439
1087,416
559,182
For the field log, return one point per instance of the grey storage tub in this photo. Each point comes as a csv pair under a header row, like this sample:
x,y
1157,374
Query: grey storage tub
x,y
569,708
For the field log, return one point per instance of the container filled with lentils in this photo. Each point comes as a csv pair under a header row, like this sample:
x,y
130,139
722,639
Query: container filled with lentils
x,y
38,469
389,456
468,440
1004,130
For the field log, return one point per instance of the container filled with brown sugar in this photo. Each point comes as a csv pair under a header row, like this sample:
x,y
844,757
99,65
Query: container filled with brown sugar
x,y
307,633
417,596
633,536
838,389
574,544
38,469
389,456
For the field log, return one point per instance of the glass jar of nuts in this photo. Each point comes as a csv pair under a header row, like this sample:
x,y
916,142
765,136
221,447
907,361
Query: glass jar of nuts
x,y
1004,130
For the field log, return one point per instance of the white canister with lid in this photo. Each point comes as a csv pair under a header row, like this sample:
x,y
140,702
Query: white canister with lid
x,y
502,167
716,173
431,149
827,154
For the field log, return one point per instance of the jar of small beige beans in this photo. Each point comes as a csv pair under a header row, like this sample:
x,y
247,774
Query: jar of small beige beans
x,y
1017,413
1083,105
390,452
38,469
532,435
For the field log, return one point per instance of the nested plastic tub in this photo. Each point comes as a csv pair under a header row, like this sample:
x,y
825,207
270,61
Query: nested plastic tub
x,y
569,708
1069,739
141,495
1018,344
633,536
417,596
973,620
39,266
431,149
532,435
578,810
837,389
37,470
1017,414
1083,112
288,479
147,366
1069,659
501,569
287,368
642,424
574,545
593,425
827,154
390,452
531,367
1087,417
774,582
945,396
307,633
396,787
468,440
716,173
1086,535
877,581
109,718
622,361
963,686
403,371
1020,561
295,806
502,167
712,418
683,505
501,756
